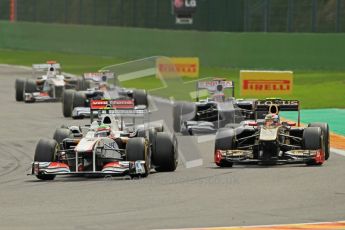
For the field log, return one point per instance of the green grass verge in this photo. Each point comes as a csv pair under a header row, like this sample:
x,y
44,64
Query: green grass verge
x,y
215,49
315,89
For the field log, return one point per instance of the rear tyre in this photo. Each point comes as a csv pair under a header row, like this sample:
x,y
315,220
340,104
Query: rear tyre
x,y
46,150
67,102
325,131
165,156
224,141
62,133
83,84
19,85
137,150
312,141
87,85
30,86
59,92
140,97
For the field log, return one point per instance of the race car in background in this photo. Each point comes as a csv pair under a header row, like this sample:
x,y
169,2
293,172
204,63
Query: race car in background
x,y
121,142
100,85
208,115
47,84
271,141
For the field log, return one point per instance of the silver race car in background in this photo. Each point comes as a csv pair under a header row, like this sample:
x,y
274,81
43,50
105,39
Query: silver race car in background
x,y
206,116
271,141
47,84
99,85
121,142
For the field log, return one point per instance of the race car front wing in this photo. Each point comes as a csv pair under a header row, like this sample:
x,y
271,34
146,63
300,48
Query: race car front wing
x,y
38,97
116,168
247,156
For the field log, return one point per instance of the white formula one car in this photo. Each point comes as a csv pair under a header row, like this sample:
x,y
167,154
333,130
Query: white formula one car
x,y
206,116
99,85
47,84
121,142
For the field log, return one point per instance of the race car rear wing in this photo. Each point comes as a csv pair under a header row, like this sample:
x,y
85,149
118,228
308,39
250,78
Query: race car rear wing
x,y
45,66
215,85
120,107
275,105
99,76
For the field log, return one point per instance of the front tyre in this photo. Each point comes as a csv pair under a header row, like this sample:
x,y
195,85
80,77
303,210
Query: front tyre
x,y
137,150
67,102
30,86
46,151
312,141
224,141
325,131
140,97
79,99
19,85
165,156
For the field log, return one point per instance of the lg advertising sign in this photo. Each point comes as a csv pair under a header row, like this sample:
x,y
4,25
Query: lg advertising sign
x,y
184,4
183,10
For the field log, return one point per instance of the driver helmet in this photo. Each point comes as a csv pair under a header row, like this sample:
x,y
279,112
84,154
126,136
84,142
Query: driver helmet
x,y
271,119
103,131
51,72
103,86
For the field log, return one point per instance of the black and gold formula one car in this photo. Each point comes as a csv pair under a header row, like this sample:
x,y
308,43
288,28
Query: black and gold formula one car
x,y
271,141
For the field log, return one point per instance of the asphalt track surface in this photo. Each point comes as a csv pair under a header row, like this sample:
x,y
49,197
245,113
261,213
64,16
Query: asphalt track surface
x,y
194,197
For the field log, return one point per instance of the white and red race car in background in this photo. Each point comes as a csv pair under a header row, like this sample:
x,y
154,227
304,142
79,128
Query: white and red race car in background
x,y
47,84
98,85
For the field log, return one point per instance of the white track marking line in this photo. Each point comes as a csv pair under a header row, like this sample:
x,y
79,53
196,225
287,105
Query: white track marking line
x,y
338,151
254,226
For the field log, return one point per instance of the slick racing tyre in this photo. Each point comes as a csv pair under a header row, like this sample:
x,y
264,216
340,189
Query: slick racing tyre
x,y
30,86
62,133
165,156
224,141
46,150
312,141
79,99
325,132
140,97
137,150
67,102
19,85
312,138
83,84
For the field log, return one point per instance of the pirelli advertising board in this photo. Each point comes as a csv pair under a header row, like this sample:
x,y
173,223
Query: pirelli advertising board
x,y
178,66
266,83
